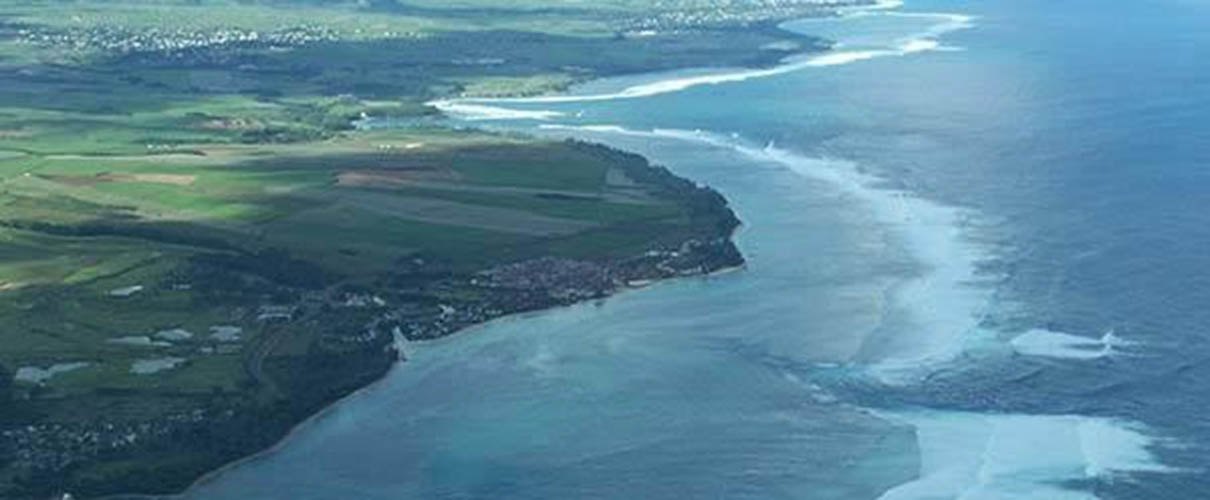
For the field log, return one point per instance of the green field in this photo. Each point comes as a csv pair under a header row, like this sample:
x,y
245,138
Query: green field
x,y
173,170
215,234
346,205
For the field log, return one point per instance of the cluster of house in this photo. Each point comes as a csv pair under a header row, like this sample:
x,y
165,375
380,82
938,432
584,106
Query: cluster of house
x,y
549,282
674,15
112,39
55,446
434,312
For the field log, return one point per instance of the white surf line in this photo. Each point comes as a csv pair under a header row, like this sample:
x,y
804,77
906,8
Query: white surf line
x,y
965,455
488,109
928,39
472,111
973,456
877,6
460,107
1046,343
939,309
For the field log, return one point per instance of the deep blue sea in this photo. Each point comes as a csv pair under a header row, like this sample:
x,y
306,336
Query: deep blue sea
x,y
979,268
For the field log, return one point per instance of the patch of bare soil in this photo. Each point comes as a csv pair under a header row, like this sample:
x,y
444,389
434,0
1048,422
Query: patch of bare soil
x,y
91,180
231,124
395,176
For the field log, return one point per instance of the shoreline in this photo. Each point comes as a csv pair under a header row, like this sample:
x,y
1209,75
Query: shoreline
x,y
826,53
277,446
696,257
770,66
931,436
566,92
397,365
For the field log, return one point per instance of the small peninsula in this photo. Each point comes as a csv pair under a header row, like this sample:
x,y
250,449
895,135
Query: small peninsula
x,y
200,248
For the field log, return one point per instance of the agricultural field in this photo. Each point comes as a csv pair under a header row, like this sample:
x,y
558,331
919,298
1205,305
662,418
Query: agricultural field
x,y
199,247
123,269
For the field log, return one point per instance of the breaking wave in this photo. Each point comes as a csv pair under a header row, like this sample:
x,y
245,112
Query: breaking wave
x,y
934,315
481,109
930,315
964,455
974,456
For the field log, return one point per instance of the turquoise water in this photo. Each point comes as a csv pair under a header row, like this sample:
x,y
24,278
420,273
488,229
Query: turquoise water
x,y
977,270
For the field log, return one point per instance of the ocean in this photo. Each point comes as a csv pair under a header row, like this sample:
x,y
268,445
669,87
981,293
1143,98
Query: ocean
x,y
978,269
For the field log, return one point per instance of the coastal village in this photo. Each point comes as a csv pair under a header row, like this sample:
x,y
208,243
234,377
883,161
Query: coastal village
x,y
424,308
214,45
675,15
215,344
173,43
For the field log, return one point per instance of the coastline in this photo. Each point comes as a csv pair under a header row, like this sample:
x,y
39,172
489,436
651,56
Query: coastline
x,y
829,53
923,422
299,427
887,319
770,66
704,260
710,251
475,108
401,364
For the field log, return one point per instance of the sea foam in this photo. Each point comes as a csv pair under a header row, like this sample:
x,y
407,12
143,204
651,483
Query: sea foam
x,y
936,312
965,456
930,315
1019,457
488,108
1039,342
464,110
